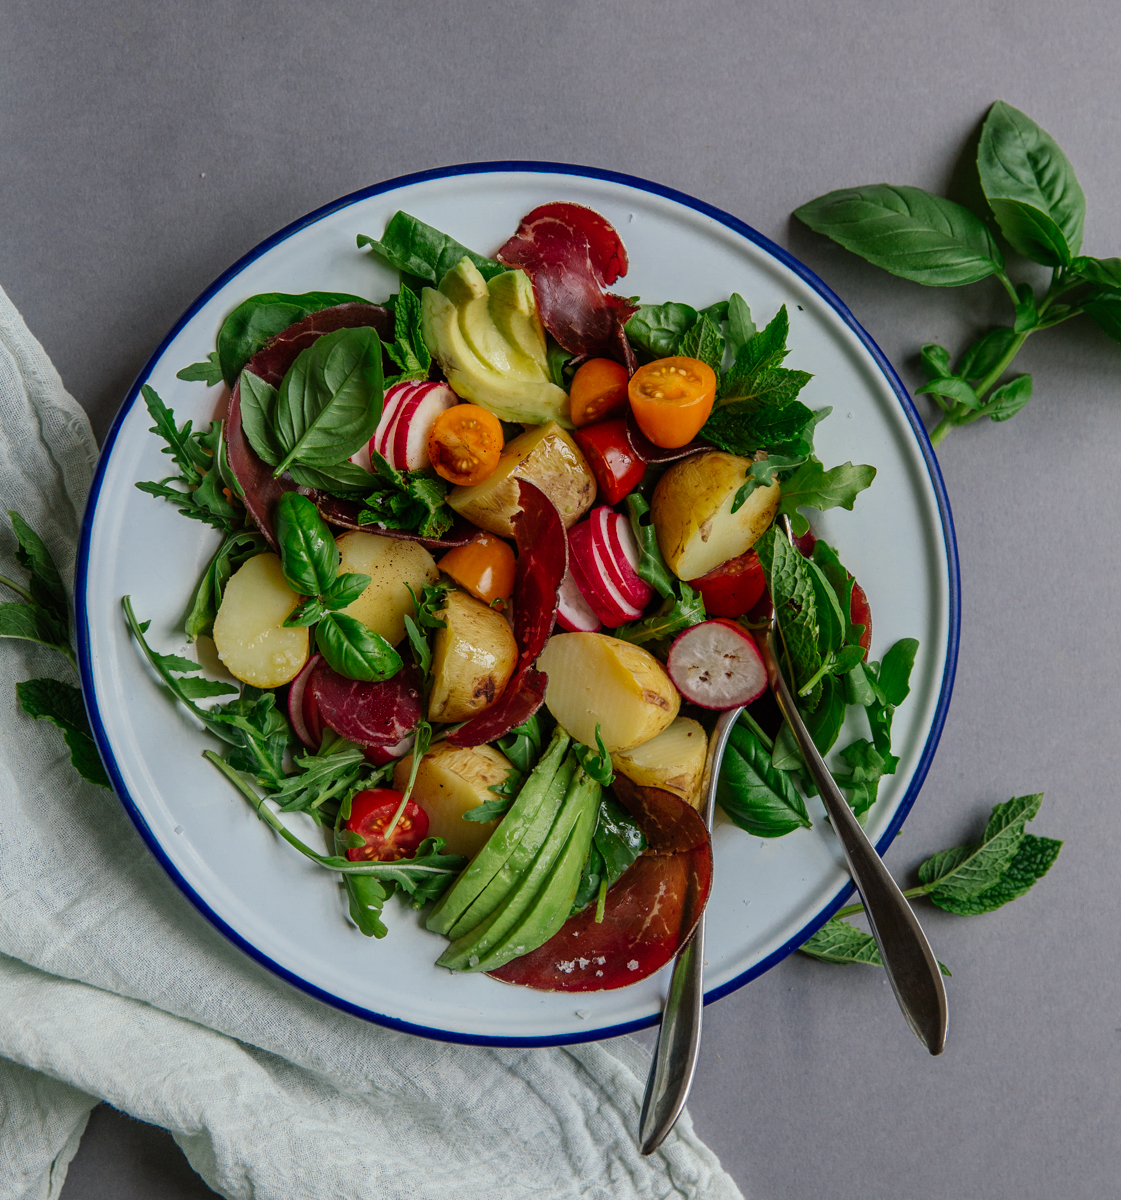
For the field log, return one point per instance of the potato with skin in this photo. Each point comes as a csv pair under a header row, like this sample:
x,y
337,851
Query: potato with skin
x,y
450,781
596,679
545,456
693,518
473,658
393,565
249,633
673,761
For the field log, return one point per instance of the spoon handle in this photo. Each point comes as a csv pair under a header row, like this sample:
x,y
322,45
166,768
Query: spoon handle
x,y
908,960
679,1038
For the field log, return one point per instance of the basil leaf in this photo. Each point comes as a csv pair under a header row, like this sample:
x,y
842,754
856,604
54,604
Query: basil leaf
x,y
1030,186
1105,312
705,342
1105,272
209,372
588,887
1032,860
1008,399
935,361
558,359
345,478
895,671
330,401
953,389
417,249
236,549
985,353
522,745
355,651
755,796
618,838
309,557
812,486
658,328
832,622
824,723
258,417
741,328
61,703
345,590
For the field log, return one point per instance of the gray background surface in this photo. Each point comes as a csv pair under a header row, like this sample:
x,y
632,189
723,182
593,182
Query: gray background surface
x,y
143,148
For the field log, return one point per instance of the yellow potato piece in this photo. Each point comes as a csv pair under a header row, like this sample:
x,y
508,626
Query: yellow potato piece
x,y
473,658
545,456
393,565
450,781
249,632
594,679
693,518
673,761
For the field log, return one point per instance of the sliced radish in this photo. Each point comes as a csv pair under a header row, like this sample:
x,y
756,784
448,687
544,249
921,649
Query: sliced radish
x,y
408,414
296,696
624,556
590,573
573,612
717,665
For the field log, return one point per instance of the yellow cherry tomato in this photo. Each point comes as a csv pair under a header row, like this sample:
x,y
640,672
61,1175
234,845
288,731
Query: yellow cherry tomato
x,y
599,391
671,399
484,567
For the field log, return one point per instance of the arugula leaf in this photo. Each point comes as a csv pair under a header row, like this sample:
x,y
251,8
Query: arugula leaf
x,y
676,614
61,703
908,232
367,896
1032,860
330,400
762,473
45,583
652,566
754,794
417,249
595,765
236,548
812,486
209,372
256,321
1030,186
659,328
703,341
319,778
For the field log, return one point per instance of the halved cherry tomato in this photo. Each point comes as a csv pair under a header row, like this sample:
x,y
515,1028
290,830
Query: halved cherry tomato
x,y
599,391
733,588
371,812
618,470
671,399
485,567
465,444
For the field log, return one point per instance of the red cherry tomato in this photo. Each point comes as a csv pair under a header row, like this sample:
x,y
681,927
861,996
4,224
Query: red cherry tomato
x,y
618,470
370,814
860,613
733,588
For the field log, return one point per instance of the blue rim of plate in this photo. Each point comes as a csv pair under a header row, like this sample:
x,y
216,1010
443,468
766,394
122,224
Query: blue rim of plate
x,y
536,168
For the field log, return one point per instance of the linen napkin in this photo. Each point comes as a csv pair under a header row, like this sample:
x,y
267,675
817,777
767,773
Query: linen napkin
x,y
113,988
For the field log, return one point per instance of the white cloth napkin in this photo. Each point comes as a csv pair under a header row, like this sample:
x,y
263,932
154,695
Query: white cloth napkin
x,y
113,988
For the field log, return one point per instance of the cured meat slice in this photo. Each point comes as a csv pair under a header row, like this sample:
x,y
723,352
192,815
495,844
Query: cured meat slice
x,y
271,364
572,254
343,514
669,824
542,562
378,716
648,452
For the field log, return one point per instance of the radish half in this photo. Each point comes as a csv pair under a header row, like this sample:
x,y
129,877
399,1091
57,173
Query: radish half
x,y
716,664
408,414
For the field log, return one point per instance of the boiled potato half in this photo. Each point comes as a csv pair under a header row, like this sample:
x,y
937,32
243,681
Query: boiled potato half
x,y
473,658
693,518
673,761
596,679
450,781
545,456
393,565
249,632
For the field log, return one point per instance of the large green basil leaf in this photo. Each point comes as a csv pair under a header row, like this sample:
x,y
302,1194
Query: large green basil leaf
x,y
330,400
908,232
1031,187
1105,312
258,417
259,319
757,797
308,555
355,651
658,328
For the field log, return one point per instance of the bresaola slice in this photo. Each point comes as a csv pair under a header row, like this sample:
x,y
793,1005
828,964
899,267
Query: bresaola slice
x,y
381,717
572,254
344,514
648,452
542,561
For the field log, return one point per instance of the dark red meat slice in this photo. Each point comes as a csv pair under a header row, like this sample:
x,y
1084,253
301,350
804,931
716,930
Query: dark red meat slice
x,y
542,561
572,254
649,915
379,716
343,514
670,825
271,364
648,452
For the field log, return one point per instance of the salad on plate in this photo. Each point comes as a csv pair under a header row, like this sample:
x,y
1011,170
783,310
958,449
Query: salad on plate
x,y
491,553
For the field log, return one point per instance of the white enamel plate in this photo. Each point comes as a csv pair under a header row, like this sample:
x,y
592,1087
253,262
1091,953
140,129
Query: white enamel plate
x,y
289,914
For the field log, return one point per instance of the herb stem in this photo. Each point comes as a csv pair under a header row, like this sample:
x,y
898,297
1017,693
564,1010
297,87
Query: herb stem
x,y
20,591
850,910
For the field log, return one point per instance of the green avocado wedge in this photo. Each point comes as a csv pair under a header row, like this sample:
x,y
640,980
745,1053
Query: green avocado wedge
x,y
505,839
539,891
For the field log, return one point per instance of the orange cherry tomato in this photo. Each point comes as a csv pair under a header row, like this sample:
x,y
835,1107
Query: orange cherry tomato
x,y
465,444
599,390
484,567
671,399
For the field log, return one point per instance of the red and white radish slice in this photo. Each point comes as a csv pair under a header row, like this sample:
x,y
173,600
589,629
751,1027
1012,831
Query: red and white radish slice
x,y
296,697
620,552
408,414
716,664
574,614
590,572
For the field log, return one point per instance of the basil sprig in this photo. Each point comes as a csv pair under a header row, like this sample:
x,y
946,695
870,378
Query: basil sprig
x,y
1034,199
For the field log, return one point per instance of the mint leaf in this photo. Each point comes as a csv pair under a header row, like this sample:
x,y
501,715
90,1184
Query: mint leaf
x,y
45,583
839,942
756,379
742,429
792,591
966,871
812,486
33,623
703,341
868,767
1032,860
61,703
209,372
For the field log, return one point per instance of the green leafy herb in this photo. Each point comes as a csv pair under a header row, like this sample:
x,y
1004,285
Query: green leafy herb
x,y
413,500
417,249
839,942
408,350
236,548
308,555
659,328
354,650
741,429
792,591
812,486
596,765
258,417
756,796
61,703
703,341
741,328
616,843
756,378
209,372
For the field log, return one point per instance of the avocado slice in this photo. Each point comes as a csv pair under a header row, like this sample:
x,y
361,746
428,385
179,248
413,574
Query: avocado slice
x,y
494,363
505,839
466,953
